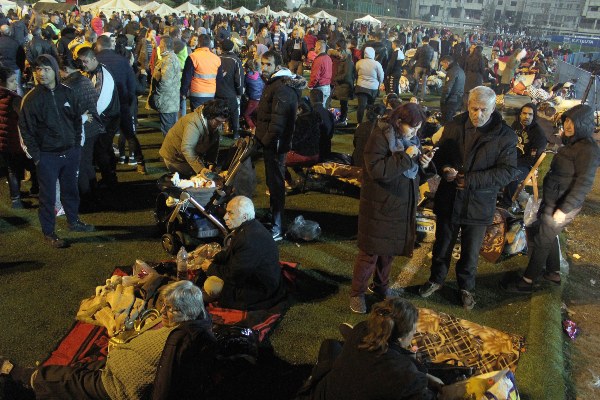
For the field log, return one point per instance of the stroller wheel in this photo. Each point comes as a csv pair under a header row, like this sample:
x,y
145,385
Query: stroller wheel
x,y
171,243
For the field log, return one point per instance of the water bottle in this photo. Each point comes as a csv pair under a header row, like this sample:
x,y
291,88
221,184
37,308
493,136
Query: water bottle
x,y
182,257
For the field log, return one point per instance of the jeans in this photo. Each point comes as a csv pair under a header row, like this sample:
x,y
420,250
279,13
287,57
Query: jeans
x,y
326,90
182,107
62,167
196,102
167,120
363,100
16,164
420,74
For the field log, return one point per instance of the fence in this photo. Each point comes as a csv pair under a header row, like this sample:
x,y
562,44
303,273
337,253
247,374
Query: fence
x,y
580,58
565,72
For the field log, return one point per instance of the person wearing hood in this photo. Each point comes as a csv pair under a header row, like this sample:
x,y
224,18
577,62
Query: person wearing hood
x,y
370,76
566,185
452,90
531,144
230,84
477,156
50,123
276,114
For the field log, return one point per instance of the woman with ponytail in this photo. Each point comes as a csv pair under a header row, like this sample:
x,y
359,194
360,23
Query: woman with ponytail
x,y
375,362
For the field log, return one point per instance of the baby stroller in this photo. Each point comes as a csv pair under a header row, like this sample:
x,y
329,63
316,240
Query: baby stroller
x,y
197,212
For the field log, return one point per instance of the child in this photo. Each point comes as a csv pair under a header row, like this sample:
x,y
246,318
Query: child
x,y
254,88
10,140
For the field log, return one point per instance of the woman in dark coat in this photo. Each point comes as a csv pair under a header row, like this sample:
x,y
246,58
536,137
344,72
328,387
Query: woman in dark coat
x,y
388,201
344,81
569,180
474,70
374,363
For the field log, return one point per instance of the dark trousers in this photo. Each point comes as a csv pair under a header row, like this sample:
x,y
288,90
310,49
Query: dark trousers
x,y
83,382
370,264
128,133
16,165
543,244
421,81
363,100
196,102
251,107
449,110
234,114
63,167
105,155
392,83
343,110
87,171
167,120
471,239
275,177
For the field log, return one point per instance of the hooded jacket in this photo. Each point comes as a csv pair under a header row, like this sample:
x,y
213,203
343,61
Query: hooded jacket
x,y
489,165
277,109
370,71
573,168
531,139
230,80
50,120
453,89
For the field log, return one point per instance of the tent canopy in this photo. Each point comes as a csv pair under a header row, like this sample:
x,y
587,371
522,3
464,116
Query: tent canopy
x,y
8,5
242,10
164,9
299,15
220,10
153,5
188,8
266,11
324,15
112,5
367,19
283,13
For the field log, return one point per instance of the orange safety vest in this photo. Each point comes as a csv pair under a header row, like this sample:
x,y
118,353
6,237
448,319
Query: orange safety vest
x,y
204,80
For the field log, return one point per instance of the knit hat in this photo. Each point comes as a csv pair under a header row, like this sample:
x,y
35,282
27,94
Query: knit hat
x,y
227,45
369,52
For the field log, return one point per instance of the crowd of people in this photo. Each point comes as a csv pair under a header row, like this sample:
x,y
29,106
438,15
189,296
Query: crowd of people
x,y
69,83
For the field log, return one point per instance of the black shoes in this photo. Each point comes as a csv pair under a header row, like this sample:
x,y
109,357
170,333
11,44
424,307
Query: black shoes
x,y
517,286
79,226
55,241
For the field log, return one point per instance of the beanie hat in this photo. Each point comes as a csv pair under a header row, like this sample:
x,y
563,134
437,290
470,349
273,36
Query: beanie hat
x,y
227,45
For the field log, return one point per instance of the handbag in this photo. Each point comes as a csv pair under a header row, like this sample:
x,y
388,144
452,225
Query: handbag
x,y
152,96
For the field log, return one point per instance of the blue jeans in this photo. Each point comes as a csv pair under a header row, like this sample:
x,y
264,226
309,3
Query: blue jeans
x,y
326,90
196,102
62,167
167,120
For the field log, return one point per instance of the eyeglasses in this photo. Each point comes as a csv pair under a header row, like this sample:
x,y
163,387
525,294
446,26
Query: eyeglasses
x,y
168,309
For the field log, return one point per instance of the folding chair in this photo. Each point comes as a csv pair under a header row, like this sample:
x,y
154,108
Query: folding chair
x,y
530,179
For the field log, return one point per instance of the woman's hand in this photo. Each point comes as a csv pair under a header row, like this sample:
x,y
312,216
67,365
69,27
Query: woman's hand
x,y
425,159
413,151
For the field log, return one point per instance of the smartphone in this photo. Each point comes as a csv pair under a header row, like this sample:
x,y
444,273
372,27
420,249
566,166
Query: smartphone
x,y
432,151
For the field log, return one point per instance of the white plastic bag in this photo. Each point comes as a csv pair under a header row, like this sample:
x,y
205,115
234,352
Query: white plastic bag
x,y
531,210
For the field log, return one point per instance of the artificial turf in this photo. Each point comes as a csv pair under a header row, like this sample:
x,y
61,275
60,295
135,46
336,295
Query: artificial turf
x,y
41,287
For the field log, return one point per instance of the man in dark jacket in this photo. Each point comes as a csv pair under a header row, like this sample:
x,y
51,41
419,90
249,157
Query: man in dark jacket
x,y
531,144
125,80
12,54
276,115
294,52
246,274
50,126
230,84
423,58
477,156
452,91
38,46
381,54
393,71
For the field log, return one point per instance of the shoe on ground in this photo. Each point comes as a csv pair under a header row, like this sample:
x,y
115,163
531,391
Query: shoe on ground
x,y
122,160
132,160
358,304
390,293
553,277
17,204
141,169
79,226
517,286
342,123
429,288
345,329
277,236
55,241
468,301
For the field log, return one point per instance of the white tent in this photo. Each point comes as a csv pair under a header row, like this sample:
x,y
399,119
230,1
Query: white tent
x,y
48,1
324,15
164,10
188,8
283,13
153,5
8,5
368,20
220,10
266,11
299,15
112,5
242,11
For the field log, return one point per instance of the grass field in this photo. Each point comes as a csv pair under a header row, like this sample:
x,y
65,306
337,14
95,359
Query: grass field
x,y
41,287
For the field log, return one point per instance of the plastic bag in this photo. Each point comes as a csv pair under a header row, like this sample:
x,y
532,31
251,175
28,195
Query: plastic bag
x,y
493,385
516,239
531,210
302,229
201,253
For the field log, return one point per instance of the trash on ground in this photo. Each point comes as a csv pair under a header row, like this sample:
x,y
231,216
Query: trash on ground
x,y
570,328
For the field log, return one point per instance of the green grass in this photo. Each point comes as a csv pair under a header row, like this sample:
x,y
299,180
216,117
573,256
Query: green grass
x,y
41,287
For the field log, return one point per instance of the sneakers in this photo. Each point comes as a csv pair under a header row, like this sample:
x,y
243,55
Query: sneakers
x,y
132,160
122,160
277,236
141,168
428,289
79,226
17,204
358,304
391,292
553,277
342,123
55,241
467,299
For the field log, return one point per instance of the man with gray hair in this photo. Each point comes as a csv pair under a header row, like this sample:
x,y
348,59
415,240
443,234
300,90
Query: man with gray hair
x,y
246,274
477,156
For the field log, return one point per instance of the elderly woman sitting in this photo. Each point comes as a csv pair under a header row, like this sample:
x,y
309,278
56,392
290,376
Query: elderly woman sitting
x,y
157,363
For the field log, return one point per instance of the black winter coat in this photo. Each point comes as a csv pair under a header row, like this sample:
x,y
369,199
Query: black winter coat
x,y
573,168
489,166
388,199
122,73
277,109
531,143
249,267
344,79
12,54
307,134
453,89
359,374
423,56
88,99
230,79
474,70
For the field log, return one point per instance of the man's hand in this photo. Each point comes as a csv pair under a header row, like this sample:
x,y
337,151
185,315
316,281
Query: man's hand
x,y
450,174
559,216
460,181
205,264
